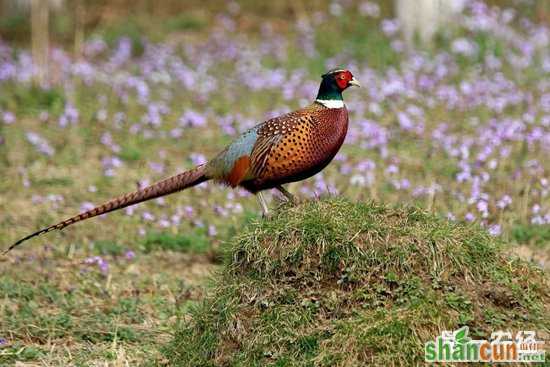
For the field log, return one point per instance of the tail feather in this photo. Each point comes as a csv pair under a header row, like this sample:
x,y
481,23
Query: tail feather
x,y
167,186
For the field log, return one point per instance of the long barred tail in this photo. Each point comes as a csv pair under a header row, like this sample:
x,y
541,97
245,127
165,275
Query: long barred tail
x,y
167,186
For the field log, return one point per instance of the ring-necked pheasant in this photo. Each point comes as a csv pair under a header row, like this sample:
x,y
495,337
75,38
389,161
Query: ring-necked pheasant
x,y
288,148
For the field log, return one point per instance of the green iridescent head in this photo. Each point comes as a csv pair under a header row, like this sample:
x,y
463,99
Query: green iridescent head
x,y
334,82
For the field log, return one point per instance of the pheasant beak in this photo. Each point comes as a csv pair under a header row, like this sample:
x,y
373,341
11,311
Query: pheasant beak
x,y
354,82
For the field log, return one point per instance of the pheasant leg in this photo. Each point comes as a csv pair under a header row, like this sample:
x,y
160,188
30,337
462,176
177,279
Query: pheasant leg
x,y
286,194
263,204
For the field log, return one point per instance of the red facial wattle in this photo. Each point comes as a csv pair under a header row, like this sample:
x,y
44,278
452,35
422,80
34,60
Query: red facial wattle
x,y
343,79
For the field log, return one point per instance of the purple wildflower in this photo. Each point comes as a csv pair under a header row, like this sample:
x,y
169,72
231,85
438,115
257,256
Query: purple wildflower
x,y
370,9
464,47
193,119
41,144
390,26
495,230
212,230
8,117
84,207
102,264
198,158
147,216
129,255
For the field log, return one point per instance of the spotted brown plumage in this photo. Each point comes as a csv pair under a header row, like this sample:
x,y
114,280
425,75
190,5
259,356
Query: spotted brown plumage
x,y
296,146
288,148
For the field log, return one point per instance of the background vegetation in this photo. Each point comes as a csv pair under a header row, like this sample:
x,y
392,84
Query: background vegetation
x,y
459,127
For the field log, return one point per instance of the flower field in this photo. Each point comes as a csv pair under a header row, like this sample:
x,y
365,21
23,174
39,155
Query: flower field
x,y
460,128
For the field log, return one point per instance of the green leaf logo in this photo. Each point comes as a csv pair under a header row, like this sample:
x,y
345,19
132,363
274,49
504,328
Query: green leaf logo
x,y
461,335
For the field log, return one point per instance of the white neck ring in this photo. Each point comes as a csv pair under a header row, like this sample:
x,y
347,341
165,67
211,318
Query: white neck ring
x,y
331,103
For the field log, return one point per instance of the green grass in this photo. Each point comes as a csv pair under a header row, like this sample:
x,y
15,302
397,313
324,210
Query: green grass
x,y
531,234
57,310
335,283
54,305
185,22
195,242
32,100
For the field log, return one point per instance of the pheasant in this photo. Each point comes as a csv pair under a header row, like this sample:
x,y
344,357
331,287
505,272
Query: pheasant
x,y
284,149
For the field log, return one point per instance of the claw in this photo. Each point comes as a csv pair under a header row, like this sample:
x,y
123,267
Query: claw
x,y
291,198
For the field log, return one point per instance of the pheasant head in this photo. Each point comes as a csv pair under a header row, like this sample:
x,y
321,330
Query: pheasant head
x,y
333,84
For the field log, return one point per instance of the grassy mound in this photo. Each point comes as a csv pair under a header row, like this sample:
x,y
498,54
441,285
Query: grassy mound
x,y
334,283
